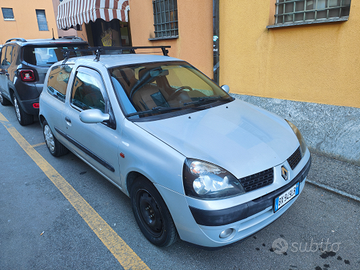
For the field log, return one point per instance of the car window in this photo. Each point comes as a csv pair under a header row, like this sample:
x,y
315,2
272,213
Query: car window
x,y
58,81
3,51
46,56
86,91
6,55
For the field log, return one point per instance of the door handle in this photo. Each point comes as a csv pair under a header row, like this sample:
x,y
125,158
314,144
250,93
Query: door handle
x,y
68,120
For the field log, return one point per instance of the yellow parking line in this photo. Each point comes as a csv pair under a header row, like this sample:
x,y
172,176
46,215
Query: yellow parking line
x,y
39,144
122,252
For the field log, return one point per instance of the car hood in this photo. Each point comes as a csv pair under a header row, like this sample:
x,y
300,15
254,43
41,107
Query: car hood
x,y
237,136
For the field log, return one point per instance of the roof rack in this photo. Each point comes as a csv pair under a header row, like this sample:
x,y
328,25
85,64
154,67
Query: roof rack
x,y
16,39
71,37
120,50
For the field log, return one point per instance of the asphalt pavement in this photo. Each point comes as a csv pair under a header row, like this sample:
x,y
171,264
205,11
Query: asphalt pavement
x,y
334,175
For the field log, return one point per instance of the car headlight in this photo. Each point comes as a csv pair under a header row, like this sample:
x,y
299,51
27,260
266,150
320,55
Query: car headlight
x,y
299,136
204,180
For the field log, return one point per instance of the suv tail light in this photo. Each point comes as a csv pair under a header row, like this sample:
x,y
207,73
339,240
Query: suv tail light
x,y
27,75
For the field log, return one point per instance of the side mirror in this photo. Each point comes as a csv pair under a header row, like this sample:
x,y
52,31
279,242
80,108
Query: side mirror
x,y
93,116
226,88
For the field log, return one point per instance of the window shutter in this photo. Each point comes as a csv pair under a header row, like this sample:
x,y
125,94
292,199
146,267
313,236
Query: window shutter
x,y
8,13
41,18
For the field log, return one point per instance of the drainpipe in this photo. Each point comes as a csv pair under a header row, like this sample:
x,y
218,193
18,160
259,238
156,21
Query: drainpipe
x,y
216,41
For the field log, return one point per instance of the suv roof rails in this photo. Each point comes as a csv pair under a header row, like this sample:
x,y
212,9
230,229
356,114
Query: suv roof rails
x,y
100,50
71,37
16,39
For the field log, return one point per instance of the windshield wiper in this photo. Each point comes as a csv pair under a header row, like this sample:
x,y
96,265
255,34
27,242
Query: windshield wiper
x,y
158,109
207,100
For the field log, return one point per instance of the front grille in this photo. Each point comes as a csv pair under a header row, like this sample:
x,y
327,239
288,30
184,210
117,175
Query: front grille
x,y
294,159
257,180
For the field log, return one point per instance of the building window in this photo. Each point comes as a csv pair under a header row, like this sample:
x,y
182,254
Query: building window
x,y
41,18
8,14
310,11
165,18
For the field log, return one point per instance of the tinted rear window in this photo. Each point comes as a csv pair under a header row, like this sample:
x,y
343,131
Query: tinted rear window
x,y
46,56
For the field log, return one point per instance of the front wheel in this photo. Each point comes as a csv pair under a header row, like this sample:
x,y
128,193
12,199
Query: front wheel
x,y
54,146
151,214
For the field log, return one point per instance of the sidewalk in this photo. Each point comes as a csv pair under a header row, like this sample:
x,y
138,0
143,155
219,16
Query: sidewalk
x,y
334,175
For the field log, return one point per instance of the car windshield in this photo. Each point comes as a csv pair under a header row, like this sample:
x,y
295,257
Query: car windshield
x,y
159,88
48,55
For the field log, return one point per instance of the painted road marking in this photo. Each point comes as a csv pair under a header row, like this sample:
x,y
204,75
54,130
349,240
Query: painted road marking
x,y
117,246
39,144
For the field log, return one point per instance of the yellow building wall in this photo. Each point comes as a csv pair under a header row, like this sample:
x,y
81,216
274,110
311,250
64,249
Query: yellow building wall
x,y
316,63
195,31
25,24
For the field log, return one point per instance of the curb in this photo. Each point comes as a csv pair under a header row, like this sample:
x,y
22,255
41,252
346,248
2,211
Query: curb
x,y
334,190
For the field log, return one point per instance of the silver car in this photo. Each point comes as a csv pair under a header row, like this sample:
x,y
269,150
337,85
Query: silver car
x,y
196,163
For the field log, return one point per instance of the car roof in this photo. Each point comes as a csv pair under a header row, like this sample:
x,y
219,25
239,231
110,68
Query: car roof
x,y
49,41
115,60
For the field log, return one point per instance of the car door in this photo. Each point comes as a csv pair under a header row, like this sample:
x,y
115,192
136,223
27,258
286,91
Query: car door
x,y
53,99
6,55
96,143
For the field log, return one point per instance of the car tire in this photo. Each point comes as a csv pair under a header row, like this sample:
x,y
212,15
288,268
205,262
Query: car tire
x,y
152,214
23,118
4,101
53,145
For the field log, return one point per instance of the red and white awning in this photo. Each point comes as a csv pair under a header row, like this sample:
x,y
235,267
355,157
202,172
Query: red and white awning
x,y
74,12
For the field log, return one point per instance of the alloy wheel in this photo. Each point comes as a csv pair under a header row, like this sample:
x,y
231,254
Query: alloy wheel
x,y
17,109
49,138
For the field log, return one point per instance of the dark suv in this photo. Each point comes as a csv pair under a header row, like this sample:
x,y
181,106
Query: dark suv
x,y
23,66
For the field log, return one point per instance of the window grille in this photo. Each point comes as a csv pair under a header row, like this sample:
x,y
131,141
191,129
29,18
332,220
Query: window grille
x,y
297,11
165,18
8,13
41,18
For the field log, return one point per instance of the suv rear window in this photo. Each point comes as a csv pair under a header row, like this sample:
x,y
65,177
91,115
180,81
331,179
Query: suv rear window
x,y
46,56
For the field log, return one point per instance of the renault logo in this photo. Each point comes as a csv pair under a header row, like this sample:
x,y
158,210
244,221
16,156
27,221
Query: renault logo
x,y
284,173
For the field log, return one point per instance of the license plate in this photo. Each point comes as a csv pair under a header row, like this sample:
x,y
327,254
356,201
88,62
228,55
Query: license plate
x,y
286,197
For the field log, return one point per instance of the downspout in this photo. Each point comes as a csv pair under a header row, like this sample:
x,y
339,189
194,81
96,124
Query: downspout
x,y
216,41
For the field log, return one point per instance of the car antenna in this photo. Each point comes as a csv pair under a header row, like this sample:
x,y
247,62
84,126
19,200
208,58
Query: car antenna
x,y
66,53
53,33
98,52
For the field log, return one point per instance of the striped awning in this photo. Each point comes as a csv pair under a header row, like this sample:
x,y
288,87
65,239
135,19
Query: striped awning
x,y
77,12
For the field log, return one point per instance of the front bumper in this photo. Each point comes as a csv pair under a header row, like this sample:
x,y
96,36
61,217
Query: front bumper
x,y
203,225
245,210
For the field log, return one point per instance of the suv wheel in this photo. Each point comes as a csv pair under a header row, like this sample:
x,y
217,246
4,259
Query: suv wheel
x,y
23,118
4,101
54,146
151,214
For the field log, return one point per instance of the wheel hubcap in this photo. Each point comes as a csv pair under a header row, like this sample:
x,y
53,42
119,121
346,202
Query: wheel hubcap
x,y
49,138
17,109
150,214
